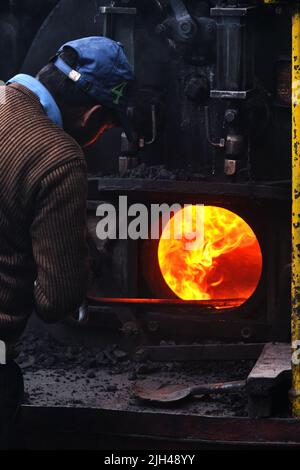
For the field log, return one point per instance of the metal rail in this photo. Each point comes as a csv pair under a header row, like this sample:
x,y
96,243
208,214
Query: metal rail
x,y
82,428
225,303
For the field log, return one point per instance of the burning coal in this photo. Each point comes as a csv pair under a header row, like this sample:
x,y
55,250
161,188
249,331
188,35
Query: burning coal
x,y
227,265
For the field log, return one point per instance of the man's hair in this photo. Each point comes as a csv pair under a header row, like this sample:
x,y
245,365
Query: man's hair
x,y
63,89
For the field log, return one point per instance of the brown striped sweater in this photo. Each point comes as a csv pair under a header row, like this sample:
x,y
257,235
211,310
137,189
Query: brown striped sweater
x,y
43,187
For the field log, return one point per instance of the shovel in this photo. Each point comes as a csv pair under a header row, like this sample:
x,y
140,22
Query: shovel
x,y
173,393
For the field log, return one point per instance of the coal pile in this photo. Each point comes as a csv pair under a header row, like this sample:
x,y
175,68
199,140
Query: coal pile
x,y
158,172
57,374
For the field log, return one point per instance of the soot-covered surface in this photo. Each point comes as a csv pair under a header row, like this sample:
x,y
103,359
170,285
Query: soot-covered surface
x,y
73,376
159,172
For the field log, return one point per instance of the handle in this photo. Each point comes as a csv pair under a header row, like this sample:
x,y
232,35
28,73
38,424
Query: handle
x,y
219,388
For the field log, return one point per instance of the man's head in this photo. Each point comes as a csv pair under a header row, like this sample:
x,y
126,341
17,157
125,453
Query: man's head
x,y
90,80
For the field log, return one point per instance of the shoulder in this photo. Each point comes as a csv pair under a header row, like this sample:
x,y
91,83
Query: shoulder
x,y
55,145
57,158
39,139
54,150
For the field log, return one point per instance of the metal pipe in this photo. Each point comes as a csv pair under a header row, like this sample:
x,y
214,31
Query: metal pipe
x,y
154,126
295,392
222,142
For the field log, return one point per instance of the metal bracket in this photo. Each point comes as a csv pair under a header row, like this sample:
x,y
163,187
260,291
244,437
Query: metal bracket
x,y
233,11
119,25
232,95
118,10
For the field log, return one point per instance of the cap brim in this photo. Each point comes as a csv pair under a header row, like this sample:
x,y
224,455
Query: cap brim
x,y
125,123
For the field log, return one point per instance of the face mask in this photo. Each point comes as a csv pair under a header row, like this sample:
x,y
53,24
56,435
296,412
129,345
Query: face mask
x,y
97,136
92,126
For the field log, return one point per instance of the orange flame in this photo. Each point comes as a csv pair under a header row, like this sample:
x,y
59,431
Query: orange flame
x,y
226,265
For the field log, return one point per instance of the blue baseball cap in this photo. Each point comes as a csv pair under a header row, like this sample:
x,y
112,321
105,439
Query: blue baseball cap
x,y
103,72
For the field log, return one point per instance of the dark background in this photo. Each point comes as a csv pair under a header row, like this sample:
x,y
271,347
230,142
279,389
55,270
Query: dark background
x,y
32,30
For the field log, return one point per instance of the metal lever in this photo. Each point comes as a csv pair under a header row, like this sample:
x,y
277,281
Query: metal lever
x,y
180,10
186,26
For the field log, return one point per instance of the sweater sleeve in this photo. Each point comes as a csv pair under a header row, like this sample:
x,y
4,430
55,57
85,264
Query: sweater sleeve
x,y
58,235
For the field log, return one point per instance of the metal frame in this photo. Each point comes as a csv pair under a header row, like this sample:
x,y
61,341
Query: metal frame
x,y
157,320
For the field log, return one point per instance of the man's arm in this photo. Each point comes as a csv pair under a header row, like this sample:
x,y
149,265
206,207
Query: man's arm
x,y
59,245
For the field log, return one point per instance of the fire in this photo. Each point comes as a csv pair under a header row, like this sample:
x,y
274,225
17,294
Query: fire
x,y
227,264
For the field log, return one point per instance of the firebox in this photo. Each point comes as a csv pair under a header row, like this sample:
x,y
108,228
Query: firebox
x,y
210,253
237,290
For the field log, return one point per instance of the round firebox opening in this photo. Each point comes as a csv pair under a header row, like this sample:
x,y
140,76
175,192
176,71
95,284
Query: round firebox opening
x,y
210,253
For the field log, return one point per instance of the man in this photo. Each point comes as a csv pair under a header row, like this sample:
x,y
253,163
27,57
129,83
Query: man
x,y
44,123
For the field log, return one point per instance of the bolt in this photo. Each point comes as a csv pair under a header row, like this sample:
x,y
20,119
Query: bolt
x,y
246,333
230,115
153,326
210,28
186,27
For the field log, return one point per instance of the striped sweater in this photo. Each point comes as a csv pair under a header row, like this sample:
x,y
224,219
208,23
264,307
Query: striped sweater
x,y
43,190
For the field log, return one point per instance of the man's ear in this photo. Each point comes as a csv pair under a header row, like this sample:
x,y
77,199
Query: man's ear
x,y
88,114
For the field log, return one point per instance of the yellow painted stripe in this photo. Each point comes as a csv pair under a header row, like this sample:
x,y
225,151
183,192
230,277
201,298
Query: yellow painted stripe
x,y
295,392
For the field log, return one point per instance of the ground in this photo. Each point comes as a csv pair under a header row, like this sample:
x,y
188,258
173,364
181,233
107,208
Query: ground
x,y
80,376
